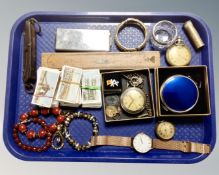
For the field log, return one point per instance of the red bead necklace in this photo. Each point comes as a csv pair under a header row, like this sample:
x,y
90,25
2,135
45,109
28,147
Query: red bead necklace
x,y
45,132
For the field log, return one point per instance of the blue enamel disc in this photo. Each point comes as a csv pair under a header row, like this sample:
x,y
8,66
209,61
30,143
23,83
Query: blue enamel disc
x,y
179,93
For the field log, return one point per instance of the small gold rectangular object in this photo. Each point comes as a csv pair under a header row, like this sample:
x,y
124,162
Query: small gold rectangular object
x,y
193,34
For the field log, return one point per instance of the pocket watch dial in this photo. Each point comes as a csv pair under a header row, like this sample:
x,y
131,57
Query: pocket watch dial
x,y
165,130
142,143
133,100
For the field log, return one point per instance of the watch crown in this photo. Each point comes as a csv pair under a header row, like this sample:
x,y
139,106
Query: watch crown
x,y
179,41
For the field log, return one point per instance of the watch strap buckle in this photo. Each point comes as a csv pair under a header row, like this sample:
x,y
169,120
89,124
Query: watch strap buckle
x,y
186,146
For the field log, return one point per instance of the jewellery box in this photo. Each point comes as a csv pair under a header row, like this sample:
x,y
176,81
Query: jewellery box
x,y
124,89
199,76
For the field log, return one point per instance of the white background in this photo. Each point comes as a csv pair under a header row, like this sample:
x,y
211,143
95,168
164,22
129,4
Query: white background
x,y
11,10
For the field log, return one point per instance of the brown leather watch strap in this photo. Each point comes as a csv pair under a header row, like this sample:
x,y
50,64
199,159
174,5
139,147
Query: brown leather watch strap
x,y
111,141
183,146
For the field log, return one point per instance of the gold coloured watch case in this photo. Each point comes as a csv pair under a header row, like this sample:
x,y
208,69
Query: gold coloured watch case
x,y
165,130
133,100
178,54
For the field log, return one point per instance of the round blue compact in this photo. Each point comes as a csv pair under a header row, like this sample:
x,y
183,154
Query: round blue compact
x,y
179,93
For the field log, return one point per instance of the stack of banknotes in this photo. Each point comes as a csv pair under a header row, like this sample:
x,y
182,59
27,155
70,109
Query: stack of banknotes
x,y
69,89
72,87
47,80
91,89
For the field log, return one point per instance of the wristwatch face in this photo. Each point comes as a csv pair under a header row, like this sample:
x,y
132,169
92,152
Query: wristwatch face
x,y
178,55
133,100
142,143
165,130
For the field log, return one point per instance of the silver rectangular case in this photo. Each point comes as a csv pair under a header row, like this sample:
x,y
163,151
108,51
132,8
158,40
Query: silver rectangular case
x,y
82,40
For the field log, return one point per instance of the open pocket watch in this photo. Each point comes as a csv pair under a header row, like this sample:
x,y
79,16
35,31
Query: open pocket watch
x,y
133,99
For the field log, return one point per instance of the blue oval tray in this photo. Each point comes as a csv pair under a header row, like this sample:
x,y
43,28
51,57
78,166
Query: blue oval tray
x,y
17,101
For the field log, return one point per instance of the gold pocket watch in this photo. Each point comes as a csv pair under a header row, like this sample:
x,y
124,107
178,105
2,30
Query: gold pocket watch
x,y
165,130
179,53
133,100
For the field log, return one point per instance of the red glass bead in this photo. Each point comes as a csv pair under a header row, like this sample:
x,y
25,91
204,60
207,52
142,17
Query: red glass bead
x,y
31,134
49,134
49,139
34,113
44,111
22,128
29,148
17,140
39,150
44,148
53,128
42,133
39,120
56,110
43,122
24,117
16,126
60,119
35,120
48,144
15,135
45,127
34,149
24,147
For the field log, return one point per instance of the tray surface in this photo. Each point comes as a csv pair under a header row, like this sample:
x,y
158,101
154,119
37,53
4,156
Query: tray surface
x,y
198,129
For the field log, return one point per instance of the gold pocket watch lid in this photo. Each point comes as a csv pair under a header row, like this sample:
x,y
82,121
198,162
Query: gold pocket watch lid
x,y
179,53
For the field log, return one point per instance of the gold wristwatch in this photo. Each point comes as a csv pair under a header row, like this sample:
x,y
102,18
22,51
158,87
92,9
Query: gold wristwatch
x,y
142,143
